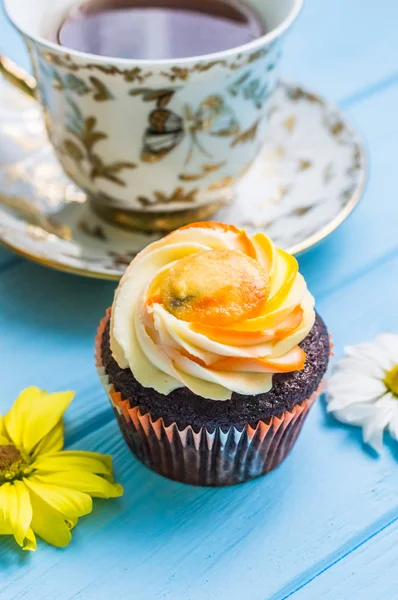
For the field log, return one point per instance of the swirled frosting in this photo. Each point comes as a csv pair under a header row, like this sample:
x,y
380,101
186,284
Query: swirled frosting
x,y
211,309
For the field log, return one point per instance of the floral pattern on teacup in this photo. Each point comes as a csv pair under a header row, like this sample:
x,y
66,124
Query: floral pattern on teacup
x,y
121,143
81,147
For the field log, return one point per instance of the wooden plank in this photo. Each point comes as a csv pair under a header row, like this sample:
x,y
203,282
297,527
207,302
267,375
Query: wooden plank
x,y
343,48
371,231
48,322
267,538
7,258
368,573
260,540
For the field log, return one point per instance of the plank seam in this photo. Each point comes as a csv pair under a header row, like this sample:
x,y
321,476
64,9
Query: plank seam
x,y
390,521
93,425
369,91
368,534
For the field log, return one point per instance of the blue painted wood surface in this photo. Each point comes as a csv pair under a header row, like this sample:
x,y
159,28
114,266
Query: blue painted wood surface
x,y
324,525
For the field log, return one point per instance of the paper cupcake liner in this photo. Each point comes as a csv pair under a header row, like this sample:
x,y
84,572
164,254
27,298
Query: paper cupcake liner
x,y
205,457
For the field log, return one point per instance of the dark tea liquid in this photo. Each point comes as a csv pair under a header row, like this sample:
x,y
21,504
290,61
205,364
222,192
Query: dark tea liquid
x,y
156,29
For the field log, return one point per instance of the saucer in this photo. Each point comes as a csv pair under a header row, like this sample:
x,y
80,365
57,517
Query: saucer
x,y
308,178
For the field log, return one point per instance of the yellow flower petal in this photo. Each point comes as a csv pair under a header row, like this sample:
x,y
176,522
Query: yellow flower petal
x,y
96,486
72,504
71,522
16,510
4,439
52,442
34,414
5,527
70,460
48,523
30,541
14,420
57,487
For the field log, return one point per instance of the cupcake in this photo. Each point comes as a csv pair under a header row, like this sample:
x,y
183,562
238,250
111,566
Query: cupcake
x,y
212,354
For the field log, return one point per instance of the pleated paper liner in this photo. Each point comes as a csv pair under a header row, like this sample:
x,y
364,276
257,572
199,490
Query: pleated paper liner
x,y
205,457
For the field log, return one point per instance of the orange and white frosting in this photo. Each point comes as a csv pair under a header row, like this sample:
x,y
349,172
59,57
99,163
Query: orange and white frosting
x,y
211,309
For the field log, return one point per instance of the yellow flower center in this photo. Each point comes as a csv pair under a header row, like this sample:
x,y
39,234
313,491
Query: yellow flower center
x,y
12,463
391,380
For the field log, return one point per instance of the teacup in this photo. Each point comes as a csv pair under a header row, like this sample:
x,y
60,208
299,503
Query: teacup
x,y
155,144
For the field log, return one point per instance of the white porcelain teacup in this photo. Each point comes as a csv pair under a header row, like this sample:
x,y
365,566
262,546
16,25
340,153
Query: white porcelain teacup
x,y
154,143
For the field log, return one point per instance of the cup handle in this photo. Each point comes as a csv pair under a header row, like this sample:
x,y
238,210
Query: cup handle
x,y
17,76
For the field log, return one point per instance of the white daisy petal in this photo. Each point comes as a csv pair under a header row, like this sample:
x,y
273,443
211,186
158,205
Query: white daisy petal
x,y
389,342
370,352
357,394
393,424
365,388
372,434
363,351
341,402
374,427
365,367
358,414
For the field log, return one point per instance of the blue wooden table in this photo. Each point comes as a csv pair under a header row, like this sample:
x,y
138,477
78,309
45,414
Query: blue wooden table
x,y
325,524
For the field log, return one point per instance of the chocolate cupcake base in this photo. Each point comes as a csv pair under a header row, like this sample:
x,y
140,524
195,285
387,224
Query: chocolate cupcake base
x,y
207,456
215,458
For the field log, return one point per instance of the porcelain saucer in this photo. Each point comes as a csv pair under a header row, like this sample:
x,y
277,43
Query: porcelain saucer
x,y
309,177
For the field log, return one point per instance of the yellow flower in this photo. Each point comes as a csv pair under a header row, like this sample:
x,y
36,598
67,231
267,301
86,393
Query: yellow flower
x,y
44,490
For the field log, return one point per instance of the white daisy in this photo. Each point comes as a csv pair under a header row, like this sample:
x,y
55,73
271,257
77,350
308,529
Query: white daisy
x,y
363,388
